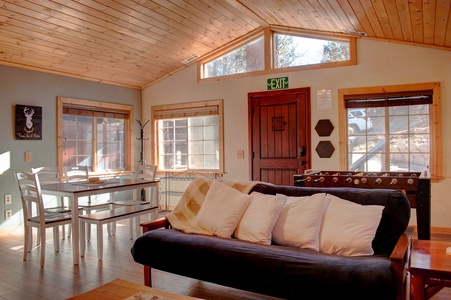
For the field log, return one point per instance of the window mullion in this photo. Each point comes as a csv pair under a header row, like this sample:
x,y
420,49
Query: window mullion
x,y
409,139
367,151
187,140
94,144
387,138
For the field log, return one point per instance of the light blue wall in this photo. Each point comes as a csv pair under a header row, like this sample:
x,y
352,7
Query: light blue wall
x,y
18,86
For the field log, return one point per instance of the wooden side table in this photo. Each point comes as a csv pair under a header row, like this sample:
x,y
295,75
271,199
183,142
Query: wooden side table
x,y
430,268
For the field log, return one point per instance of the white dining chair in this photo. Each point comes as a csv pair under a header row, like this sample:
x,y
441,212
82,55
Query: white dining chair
x,y
35,216
51,175
144,196
81,174
144,172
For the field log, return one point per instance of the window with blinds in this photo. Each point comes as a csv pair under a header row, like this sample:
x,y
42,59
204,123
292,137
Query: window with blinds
x,y
95,135
189,136
390,131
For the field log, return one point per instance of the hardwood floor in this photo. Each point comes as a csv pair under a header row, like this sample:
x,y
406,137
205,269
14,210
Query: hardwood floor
x,y
59,279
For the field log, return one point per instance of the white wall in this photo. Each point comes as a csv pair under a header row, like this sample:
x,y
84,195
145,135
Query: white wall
x,y
18,86
379,63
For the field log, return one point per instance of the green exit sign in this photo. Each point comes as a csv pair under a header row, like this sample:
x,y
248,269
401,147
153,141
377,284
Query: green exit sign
x,y
277,83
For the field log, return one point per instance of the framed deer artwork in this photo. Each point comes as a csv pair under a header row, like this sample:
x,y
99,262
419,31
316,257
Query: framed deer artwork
x,y
28,122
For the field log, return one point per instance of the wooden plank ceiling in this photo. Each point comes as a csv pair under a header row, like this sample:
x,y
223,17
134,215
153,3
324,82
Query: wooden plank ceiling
x,y
134,43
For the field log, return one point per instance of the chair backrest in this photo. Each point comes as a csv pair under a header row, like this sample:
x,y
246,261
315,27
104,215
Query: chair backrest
x,y
47,175
30,194
146,172
76,173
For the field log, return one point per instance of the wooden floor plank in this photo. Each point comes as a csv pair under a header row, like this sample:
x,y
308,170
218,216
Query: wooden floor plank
x,y
59,279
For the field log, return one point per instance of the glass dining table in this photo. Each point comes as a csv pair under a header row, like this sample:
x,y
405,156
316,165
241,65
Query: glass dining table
x,y
75,190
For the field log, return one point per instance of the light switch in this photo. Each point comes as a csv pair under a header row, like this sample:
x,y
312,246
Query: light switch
x,y
27,156
240,154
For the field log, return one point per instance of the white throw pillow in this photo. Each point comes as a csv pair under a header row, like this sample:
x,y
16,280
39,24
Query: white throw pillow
x,y
299,222
222,209
259,218
349,228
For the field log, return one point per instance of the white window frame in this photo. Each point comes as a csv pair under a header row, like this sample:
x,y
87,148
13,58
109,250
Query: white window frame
x,y
106,107
184,110
204,65
317,38
434,114
268,38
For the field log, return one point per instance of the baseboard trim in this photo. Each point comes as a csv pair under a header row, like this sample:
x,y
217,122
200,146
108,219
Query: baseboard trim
x,y
436,230
441,230
12,230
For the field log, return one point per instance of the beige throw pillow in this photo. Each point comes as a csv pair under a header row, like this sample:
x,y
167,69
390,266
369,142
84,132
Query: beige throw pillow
x,y
299,222
349,228
259,219
222,209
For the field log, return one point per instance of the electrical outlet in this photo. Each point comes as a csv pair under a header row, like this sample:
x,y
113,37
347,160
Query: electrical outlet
x,y
8,214
240,154
8,199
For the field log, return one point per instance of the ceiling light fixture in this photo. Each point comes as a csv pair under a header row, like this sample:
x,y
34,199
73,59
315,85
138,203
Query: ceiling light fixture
x,y
190,59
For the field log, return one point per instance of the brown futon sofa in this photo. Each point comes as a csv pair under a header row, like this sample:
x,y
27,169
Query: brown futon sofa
x,y
284,271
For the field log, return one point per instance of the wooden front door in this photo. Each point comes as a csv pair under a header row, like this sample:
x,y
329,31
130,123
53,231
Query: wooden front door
x,y
280,134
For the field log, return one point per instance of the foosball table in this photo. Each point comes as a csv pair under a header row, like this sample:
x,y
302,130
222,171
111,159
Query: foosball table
x,y
415,185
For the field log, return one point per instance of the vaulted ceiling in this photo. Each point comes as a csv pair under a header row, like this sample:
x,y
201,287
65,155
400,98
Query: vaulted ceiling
x,y
134,43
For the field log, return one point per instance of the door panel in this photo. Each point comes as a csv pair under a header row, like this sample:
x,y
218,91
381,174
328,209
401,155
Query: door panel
x,y
280,126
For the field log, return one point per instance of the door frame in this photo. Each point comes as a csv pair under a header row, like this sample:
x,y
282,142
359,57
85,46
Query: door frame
x,y
308,142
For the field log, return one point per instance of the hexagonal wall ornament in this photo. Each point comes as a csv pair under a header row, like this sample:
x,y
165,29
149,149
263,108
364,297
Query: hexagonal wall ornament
x,y
325,149
324,127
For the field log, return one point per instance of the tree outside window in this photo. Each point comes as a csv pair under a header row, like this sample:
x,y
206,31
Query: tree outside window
x,y
288,50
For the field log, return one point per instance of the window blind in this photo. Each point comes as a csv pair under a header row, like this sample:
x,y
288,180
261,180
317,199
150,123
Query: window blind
x,y
95,112
389,99
200,111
